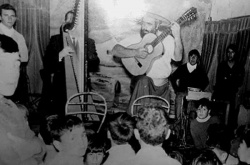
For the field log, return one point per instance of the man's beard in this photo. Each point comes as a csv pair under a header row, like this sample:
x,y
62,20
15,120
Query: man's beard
x,y
143,33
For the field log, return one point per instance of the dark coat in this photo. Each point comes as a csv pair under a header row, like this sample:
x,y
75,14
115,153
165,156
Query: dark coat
x,y
53,76
196,79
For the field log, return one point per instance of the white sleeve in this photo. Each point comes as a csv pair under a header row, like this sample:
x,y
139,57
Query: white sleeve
x,y
169,46
23,49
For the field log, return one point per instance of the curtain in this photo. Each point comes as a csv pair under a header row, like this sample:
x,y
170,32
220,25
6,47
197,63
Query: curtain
x,y
217,36
33,23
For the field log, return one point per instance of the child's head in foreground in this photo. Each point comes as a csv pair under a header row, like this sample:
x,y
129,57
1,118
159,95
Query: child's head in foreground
x,y
120,128
152,125
68,135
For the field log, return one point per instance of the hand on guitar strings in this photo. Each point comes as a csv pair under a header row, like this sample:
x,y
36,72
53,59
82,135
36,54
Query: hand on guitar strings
x,y
175,27
142,52
67,51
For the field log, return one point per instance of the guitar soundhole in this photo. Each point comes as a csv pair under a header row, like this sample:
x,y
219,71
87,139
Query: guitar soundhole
x,y
138,62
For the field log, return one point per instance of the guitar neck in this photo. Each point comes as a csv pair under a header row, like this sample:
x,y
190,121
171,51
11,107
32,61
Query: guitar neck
x,y
161,37
167,31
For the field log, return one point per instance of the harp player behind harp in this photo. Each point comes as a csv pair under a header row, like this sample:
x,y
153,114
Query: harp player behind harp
x,y
53,74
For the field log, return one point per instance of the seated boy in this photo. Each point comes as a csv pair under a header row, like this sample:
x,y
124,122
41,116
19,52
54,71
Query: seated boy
x,y
152,130
69,139
199,126
18,143
120,130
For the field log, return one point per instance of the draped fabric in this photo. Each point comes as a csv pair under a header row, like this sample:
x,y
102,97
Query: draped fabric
x,y
33,23
217,36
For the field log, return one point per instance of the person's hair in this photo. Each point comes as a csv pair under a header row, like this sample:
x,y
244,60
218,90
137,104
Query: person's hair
x,y
207,157
8,44
245,135
176,155
45,129
121,127
7,6
69,25
233,47
96,143
60,124
152,124
66,15
195,52
204,102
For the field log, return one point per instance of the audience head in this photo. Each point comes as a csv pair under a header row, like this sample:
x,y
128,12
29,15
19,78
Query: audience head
x,y
218,136
9,65
176,155
194,57
152,126
203,108
231,52
244,146
45,129
68,135
96,151
120,128
207,157
7,15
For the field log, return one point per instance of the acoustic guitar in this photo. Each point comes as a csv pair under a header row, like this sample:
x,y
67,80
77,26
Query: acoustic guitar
x,y
138,66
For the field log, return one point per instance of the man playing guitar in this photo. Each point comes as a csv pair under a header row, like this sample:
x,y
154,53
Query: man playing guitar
x,y
155,82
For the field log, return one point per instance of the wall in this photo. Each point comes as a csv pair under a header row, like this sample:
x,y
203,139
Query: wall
x,y
223,9
108,29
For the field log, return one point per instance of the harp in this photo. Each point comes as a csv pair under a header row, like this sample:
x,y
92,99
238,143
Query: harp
x,y
91,107
75,64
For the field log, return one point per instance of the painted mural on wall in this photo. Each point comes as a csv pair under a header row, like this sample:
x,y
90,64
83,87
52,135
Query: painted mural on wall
x,y
118,22
112,22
